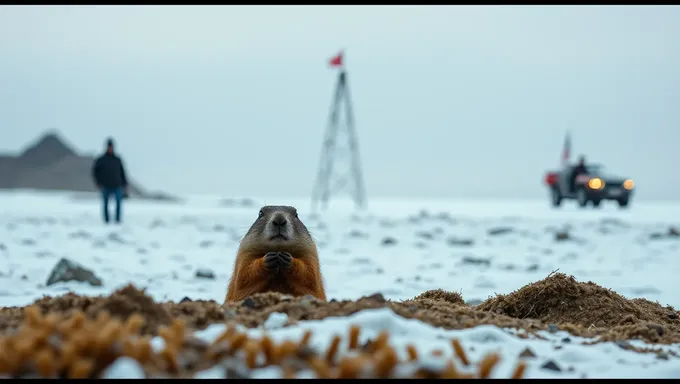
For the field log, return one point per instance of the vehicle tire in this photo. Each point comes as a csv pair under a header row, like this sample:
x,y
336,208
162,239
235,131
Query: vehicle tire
x,y
582,197
555,197
596,203
623,203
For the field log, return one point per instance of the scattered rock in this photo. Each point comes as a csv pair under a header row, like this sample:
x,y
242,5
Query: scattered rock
x,y
532,268
655,235
425,235
67,270
527,353
206,243
156,223
28,242
499,231
360,261
476,261
673,232
389,241
357,234
185,299
552,366
204,273
115,238
81,234
562,235
43,254
454,241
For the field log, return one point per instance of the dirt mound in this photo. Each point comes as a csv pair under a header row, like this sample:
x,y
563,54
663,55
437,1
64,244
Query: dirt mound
x,y
121,304
560,299
442,295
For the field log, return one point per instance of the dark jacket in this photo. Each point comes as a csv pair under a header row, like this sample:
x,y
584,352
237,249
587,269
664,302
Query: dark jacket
x,y
108,171
580,170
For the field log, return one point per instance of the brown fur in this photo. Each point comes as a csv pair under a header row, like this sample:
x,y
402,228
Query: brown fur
x,y
250,276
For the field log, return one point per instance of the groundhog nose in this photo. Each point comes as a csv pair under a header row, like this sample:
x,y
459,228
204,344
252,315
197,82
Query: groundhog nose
x,y
279,221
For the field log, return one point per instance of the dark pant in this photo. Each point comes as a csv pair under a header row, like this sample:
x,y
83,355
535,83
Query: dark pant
x,y
118,195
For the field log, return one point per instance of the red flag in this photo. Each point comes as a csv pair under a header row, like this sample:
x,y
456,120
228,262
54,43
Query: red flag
x,y
336,61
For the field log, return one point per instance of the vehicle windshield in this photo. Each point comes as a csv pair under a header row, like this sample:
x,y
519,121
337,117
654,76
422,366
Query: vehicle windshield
x,y
595,169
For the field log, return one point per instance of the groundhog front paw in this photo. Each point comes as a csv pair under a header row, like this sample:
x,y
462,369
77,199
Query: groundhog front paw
x,y
276,260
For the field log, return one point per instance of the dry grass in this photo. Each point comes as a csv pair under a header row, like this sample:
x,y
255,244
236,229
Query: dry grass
x,y
75,346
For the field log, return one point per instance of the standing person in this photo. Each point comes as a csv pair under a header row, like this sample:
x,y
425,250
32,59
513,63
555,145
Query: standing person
x,y
109,176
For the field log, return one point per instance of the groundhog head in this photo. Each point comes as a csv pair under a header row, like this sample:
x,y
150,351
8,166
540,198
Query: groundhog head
x,y
278,228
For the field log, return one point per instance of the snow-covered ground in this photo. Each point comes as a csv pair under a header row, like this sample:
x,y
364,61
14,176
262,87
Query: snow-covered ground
x,y
160,246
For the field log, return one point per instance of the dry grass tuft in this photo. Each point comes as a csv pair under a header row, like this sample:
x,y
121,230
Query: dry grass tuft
x,y
75,346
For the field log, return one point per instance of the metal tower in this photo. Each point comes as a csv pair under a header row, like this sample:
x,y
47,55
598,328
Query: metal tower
x,y
340,167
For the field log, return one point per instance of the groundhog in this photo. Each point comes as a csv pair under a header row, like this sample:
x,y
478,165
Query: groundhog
x,y
277,254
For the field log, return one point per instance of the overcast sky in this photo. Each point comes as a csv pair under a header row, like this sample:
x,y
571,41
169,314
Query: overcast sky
x,y
450,101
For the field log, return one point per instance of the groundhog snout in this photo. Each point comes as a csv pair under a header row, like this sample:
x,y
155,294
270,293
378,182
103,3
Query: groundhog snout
x,y
279,221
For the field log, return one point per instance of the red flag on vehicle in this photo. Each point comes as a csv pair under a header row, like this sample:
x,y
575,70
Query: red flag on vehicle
x,y
336,61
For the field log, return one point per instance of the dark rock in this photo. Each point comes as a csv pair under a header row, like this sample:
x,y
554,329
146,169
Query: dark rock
x,y
157,223
499,231
425,235
389,241
67,270
28,242
205,243
357,234
185,299
566,340
204,273
456,242
562,236
532,268
527,353
115,238
476,261
552,328
672,315
552,366
655,235
80,235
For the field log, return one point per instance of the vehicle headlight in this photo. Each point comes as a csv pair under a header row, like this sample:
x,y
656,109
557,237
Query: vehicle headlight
x,y
629,184
596,183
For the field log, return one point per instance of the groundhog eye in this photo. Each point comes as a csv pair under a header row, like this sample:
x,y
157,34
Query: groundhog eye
x,y
260,214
